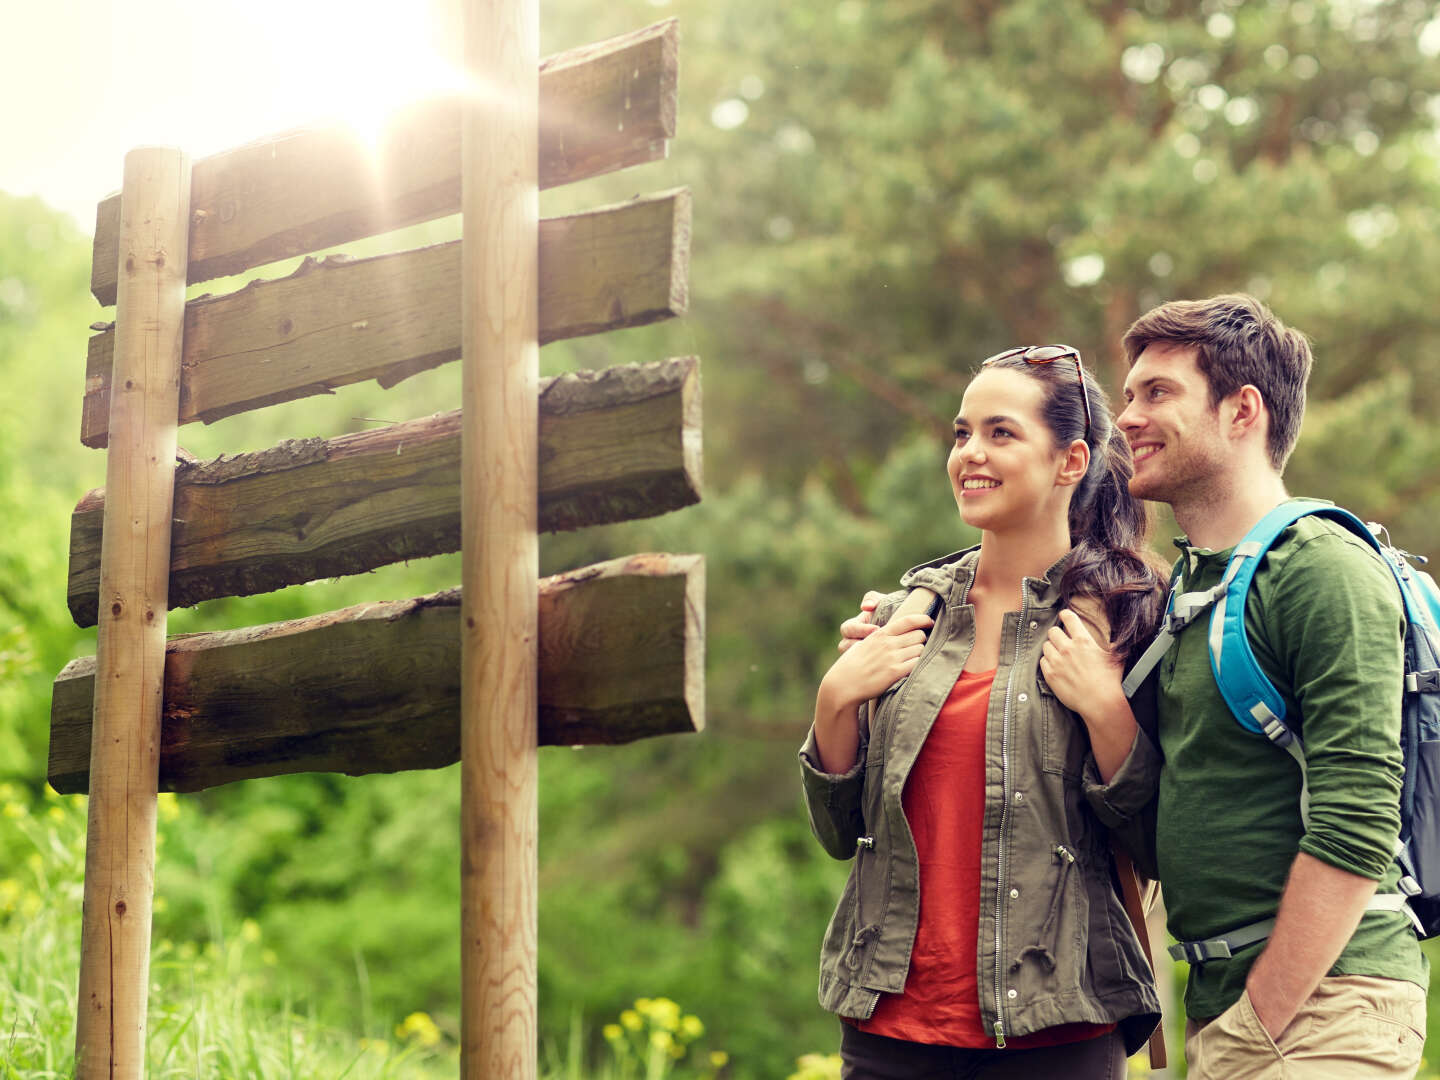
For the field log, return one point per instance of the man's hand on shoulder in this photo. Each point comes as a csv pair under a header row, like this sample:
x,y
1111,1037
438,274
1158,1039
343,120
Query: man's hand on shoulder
x,y
861,626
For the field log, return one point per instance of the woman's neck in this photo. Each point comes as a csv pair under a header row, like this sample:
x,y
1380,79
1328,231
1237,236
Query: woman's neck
x,y
1006,559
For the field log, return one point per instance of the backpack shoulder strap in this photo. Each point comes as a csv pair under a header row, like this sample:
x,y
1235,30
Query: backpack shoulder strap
x,y
1253,700
1160,645
1246,689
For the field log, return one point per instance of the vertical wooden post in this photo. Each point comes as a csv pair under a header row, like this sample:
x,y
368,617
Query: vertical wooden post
x,y
134,583
500,561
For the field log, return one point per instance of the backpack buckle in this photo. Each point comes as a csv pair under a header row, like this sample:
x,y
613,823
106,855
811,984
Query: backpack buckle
x,y
1423,681
1198,952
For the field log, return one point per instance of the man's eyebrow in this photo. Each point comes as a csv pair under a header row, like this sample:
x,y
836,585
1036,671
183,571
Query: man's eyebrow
x,y
1149,381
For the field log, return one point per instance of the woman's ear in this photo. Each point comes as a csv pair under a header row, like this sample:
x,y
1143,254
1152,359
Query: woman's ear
x,y
1074,464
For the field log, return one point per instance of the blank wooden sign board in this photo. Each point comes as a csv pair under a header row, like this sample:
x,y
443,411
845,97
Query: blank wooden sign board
x,y
481,674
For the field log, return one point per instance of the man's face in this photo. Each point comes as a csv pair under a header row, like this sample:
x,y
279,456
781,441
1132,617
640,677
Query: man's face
x,y
1173,432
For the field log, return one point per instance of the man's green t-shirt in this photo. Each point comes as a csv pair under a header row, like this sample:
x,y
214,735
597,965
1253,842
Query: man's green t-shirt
x,y
1325,621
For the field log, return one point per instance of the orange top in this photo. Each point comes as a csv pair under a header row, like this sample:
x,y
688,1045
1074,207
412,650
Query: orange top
x,y
945,805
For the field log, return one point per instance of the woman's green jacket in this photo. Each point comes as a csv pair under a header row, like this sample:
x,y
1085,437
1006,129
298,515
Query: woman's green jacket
x,y
1053,944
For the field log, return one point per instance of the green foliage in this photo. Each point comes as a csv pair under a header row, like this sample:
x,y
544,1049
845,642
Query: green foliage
x,y
884,193
212,1008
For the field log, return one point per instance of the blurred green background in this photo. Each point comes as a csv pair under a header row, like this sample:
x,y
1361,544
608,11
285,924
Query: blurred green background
x,y
885,193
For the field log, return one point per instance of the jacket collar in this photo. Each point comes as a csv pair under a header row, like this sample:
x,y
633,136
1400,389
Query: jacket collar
x,y
950,576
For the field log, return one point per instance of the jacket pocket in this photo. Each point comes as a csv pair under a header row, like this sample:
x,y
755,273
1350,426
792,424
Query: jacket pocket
x,y
835,950
863,932
1055,957
1117,959
1065,740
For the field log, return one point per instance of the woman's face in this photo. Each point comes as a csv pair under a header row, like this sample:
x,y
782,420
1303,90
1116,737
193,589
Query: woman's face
x,y
1004,466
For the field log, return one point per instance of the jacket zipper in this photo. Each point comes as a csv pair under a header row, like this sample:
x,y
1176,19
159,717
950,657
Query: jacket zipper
x,y
1004,814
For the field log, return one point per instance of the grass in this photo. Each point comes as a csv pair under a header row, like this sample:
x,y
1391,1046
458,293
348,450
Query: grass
x,y
212,1007
215,1011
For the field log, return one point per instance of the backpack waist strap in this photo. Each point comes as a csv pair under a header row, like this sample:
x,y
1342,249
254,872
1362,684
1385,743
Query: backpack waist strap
x,y
1224,946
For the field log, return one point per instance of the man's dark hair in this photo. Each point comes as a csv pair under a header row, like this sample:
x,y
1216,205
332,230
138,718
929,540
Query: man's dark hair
x,y
1238,340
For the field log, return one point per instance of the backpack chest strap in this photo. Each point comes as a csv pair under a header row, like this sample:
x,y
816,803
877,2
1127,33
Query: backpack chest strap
x,y
1180,611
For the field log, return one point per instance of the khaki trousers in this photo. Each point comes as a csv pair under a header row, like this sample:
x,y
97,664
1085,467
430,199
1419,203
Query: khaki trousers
x,y
1353,1027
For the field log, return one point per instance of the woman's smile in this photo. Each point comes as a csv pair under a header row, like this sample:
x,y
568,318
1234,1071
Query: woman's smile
x,y
978,485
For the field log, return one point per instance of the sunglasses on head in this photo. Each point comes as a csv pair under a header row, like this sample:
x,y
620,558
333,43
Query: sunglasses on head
x,y
1048,354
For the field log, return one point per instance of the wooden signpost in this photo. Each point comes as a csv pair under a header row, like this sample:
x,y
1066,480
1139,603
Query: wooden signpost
x,y
483,674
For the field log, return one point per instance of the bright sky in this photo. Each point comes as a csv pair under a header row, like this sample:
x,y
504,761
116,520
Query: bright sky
x,y
86,80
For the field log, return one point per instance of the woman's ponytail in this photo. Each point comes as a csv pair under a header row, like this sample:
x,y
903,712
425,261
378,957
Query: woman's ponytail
x,y
1109,527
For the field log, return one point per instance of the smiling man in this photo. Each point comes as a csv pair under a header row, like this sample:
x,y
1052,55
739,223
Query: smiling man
x,y
1215,396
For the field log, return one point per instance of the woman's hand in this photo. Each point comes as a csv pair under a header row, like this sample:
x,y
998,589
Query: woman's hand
x,y
1087,677
1077,667
887,654
863,671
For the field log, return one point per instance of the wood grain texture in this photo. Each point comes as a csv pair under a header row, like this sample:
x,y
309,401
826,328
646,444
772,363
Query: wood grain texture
x,y
614,445
499,781
124,746
376,687
338,321
603,107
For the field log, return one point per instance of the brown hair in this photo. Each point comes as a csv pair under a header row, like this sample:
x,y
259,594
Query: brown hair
x,y
1108,525
1238,340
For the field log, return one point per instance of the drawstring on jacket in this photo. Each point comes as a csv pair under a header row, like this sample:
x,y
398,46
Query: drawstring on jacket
x,y
1051,926
865,934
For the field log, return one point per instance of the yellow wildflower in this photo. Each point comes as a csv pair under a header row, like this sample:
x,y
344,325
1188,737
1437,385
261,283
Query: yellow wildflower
x,y
664,1013
817,1067
418,1027
631,1021
691,1027
250,931
719,1059
168,805
15,810
662,1040
612,1032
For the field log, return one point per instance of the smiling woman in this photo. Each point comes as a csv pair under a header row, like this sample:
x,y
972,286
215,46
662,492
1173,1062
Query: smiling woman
x,y
1002,728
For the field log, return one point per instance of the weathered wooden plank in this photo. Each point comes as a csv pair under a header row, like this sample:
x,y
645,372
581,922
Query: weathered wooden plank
x,y
339,321
376,688
615,445
602,107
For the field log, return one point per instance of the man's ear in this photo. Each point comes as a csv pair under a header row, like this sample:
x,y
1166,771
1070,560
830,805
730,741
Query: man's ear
x,y
1247,412
1075,464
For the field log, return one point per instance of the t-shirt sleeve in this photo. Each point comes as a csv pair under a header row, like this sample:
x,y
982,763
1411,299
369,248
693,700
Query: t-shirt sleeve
x,y
1332,625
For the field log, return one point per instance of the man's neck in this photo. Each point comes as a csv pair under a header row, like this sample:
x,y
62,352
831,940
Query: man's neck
x,y
1239,501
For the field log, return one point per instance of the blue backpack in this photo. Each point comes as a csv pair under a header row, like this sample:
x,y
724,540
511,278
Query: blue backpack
x,y
1258,706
